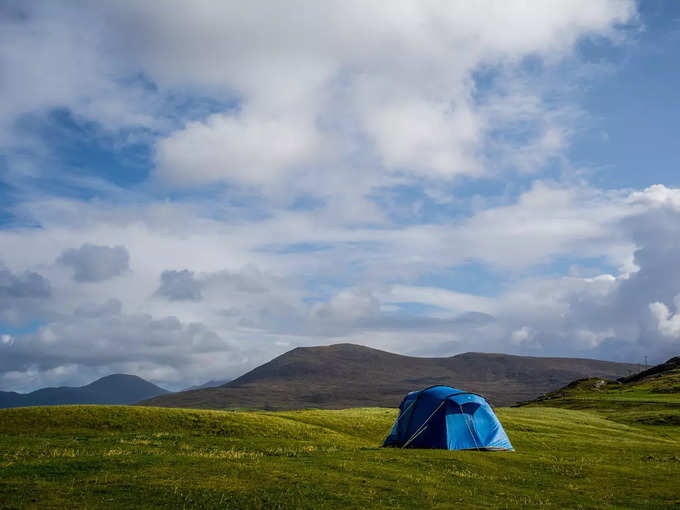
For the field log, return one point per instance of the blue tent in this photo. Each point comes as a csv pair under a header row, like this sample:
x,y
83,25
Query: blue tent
x,y
447,418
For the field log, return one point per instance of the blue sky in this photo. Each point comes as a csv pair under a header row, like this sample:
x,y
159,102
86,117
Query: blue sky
x,y
634,111
188,192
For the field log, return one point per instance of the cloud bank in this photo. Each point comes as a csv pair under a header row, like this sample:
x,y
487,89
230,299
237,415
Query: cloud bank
x,y
239,180
92,263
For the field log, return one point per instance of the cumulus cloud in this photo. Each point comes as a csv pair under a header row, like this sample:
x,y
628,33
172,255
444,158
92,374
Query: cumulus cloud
x,y
26,285
93,263
521,335
625,315
22,296
353,106
185,285
607,315
112,307
179,286
414,114
667,323
103,340
244,149
347,306
65,69
269,298
657,195
331,146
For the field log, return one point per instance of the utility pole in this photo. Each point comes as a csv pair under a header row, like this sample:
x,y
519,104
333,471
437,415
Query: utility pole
x,y
645,362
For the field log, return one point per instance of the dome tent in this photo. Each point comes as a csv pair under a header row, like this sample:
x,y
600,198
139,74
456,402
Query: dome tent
x,y
446,418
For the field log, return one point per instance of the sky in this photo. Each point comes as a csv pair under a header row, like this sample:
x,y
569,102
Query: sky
x,y
189,189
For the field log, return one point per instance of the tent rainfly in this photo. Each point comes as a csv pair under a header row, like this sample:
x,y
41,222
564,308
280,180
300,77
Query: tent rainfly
x,y
446,418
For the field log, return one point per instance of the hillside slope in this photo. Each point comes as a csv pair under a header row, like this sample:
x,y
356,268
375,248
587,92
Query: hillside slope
x,y
112,389
660,383
651,397
347,375
213,383
666,372
135,457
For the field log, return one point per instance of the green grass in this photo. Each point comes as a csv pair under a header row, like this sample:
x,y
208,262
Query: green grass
x,y
652,401
136,457
663,388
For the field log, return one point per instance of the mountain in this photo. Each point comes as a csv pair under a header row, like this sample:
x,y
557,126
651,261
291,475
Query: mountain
x,y
210,384
347,375
112,389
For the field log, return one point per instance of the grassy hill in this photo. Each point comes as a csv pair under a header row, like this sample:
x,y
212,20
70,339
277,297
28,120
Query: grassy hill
x,y
651,397
138,457
347,375
112,389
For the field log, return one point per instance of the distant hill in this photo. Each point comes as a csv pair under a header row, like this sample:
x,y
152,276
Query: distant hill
x,y
347,375
670,370
112,389
651,397
210,384
657,385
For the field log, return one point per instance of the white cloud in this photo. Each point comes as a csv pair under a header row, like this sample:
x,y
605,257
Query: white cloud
x,y
348,305
93,263
331,103
521,335
657,195
402,90
456,302
346,84
179,286
245,149
111,341
667,323
357,286
56,57
432,139
23,295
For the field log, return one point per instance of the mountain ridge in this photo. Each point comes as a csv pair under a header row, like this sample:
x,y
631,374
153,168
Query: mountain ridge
x,y
213,383
110,389
350,375
661,369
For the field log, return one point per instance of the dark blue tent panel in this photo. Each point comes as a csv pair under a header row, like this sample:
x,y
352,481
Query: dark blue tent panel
x,y
447,418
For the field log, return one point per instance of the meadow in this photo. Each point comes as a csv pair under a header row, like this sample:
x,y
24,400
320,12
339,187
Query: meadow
x,y
137,457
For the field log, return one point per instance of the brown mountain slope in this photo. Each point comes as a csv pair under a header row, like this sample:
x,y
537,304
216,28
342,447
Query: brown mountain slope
x,y
347,375
663,369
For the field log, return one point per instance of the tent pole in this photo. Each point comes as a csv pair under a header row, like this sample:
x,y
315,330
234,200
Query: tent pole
x,y
422,427
468,425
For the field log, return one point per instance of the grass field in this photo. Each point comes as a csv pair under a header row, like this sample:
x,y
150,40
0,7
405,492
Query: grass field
x,y
136,457
652,400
